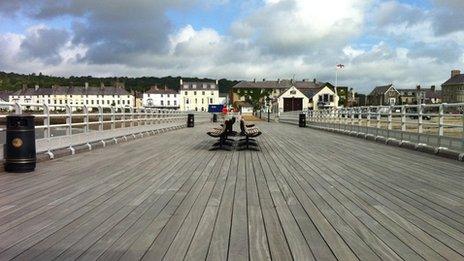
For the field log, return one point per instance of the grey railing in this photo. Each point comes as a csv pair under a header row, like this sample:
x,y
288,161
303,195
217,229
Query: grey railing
x,y
67,126
438,125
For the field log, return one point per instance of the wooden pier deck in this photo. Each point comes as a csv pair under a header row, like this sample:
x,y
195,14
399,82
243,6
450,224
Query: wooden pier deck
x,y
308,195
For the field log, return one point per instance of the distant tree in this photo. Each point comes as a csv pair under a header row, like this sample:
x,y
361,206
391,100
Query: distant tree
x,y
255,96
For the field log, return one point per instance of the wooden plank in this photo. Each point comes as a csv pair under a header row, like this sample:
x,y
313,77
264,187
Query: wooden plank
x,y
219,246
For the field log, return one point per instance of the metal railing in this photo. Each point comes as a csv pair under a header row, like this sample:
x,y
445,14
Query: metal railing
x,y
437,125
67,126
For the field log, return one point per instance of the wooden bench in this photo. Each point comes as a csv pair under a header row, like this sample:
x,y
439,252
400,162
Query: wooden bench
x,y
221,132
250,132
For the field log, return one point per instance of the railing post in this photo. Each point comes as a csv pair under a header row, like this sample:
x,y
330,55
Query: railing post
x,y
441,121
85,110
403,118
46,120
378,117
389,119
131,111
419,119
441,113
68,120
17,108
368,124
113,118
360,112
123,117
100,118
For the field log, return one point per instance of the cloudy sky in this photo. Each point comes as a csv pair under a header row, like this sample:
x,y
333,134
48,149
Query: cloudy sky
x,y
405,42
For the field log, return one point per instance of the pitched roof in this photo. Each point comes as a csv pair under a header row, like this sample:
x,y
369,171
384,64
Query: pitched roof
x,y
437,94
199,86
457,79
279,84
311,92
72,90
156,90
380,90
5,95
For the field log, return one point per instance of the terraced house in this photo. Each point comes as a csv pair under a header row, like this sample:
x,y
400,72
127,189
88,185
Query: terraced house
x,y
453,88
197,96
59,96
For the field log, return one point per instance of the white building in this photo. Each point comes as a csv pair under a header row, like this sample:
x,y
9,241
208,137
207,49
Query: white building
x,y
196,96
76,96
161,98
289,95
322,98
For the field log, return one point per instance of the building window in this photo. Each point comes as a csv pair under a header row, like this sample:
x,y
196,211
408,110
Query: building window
x,y
186,101
212,93
210,100
169,102
202,101
203,93
185,93
196,100
175,103
195,93
168,95
162,103
161,96
202,109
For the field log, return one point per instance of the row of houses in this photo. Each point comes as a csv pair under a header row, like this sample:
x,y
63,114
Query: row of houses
x,y
282,95
452,91
196,96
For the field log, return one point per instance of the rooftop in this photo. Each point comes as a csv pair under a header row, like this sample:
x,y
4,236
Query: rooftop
x,y
72,90
306,195
279,84
457,79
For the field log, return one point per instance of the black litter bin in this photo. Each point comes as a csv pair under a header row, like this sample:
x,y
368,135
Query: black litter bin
x,y
20,154
214,117
302,122
190,121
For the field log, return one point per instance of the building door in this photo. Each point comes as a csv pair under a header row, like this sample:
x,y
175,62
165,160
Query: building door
x,y
293,104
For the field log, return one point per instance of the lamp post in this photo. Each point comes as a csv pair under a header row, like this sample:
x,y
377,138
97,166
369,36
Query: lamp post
x,y
339,66
268,102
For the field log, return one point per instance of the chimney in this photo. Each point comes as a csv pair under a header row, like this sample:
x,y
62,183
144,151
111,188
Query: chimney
x,y
36,87
181,82
278,80
304,80
165,87
217,82
86,86
418,87
432,88
314,80
455,73
264,79
254,80
156,86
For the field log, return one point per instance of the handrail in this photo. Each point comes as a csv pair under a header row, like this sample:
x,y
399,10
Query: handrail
x,y
63,125
439,125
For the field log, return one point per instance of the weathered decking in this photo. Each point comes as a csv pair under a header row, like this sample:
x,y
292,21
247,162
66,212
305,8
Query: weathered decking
x,y
307,195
